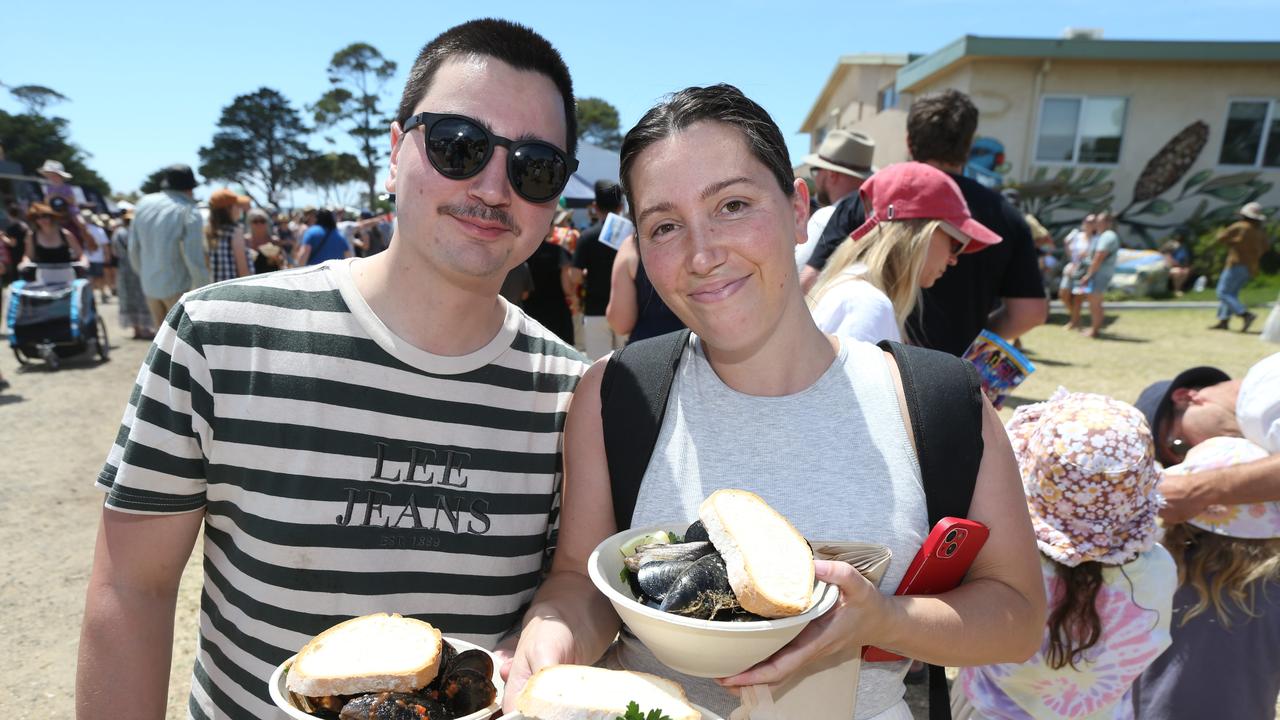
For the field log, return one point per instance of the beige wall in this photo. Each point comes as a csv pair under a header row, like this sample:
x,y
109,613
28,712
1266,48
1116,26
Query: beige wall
x,y
855,98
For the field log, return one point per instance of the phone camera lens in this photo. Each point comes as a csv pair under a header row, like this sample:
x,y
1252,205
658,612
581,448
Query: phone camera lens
x,y
951,549
951,536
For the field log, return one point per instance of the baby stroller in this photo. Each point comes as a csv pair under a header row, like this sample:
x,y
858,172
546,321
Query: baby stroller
x,y
54,317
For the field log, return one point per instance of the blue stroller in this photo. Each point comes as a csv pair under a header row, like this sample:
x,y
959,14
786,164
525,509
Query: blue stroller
x,y
54,317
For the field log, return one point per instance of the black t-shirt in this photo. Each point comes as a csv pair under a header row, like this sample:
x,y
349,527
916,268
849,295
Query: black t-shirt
x,y
955,309
597,259
846,218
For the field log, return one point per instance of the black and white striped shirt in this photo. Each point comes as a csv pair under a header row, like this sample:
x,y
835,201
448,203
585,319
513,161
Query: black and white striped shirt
x,y
341,470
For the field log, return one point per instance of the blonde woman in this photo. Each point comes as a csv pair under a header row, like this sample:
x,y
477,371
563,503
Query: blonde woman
x,y
918,226
1225,657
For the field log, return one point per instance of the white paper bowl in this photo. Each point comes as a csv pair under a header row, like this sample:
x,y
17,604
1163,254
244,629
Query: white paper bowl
x,y
702,648
706,714
280,694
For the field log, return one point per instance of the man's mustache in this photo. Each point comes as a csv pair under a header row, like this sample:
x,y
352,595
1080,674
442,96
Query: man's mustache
x,y
480,211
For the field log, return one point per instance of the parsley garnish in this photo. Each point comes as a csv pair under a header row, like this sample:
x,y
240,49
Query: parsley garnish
x,y
633,713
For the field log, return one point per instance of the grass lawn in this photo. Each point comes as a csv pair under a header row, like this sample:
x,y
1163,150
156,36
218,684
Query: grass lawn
x,y
1137,348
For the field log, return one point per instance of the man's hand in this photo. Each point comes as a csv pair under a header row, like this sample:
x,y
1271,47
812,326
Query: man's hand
x,y
544,642
1184,496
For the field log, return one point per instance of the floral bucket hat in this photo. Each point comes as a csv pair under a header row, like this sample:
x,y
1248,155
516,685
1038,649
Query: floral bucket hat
x,y
1089,471
1252,521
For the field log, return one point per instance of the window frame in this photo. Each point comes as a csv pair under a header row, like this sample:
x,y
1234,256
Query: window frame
x,y
1273,115
1075,147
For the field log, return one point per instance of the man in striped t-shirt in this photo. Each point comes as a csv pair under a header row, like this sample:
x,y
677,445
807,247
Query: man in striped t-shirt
x,y
359,436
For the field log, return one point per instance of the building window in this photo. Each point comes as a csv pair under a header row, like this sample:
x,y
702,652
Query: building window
x,y
1252,134
1076,129
887,98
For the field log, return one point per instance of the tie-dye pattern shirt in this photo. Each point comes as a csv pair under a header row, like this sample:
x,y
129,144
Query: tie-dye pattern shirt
x,y
1134,604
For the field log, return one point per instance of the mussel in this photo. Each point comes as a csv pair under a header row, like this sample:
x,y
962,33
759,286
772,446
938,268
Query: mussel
x,y
464,684
656,567
702,590
394,706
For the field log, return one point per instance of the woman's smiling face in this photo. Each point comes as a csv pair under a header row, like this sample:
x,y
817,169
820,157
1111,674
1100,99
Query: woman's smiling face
x,y
716,233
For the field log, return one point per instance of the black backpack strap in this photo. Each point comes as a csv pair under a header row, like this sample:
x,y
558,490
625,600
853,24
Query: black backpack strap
x,y
948,433
633,401
944,399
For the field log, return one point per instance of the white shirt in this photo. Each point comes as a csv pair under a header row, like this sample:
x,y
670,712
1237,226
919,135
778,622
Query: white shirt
x,y
854,308
100,237
1258,404
817,223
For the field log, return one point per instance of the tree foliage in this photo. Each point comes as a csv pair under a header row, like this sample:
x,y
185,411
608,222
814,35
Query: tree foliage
x,y
328,173
36,97
154,182
598,123
30,139
358,74
257,144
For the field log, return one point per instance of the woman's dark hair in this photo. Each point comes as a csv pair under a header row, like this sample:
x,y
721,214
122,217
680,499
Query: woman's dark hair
x,y
940,127
324,218
512,43
720,103
1074,624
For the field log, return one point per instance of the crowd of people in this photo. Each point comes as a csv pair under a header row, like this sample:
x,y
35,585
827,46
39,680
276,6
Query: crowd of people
x,y
405,424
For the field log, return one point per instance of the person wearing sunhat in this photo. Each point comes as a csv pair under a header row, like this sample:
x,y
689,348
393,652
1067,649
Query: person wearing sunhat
x,y
166,244
1201,403
918,226
1246,242
838,169
1088,467
1225,657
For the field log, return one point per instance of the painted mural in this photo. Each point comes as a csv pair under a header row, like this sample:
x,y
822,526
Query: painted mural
x,y
1164,199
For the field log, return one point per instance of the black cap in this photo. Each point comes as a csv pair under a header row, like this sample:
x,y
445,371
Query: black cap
x,y
1154,402
179,177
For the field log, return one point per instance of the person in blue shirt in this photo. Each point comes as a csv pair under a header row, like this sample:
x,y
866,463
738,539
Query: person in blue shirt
x,y
322,241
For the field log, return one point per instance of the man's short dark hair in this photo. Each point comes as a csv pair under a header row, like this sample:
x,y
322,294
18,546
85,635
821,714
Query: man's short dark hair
x,y
940,127
512,43
719,103
608,196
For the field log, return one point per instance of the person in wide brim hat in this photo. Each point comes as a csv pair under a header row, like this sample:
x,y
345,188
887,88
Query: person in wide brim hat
x,y
53,168
846,152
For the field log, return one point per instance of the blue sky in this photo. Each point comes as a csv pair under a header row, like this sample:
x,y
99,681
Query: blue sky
x,y
147,80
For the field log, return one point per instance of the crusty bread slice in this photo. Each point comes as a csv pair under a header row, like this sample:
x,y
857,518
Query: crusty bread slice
x,y
578,692
770,565
371,653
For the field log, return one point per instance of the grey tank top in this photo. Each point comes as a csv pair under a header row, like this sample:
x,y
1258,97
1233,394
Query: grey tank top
x,y
834,459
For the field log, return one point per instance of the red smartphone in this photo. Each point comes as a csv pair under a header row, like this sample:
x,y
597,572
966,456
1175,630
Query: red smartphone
x,y
941,564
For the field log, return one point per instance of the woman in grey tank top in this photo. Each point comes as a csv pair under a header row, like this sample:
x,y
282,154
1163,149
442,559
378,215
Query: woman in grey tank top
x,y
765,401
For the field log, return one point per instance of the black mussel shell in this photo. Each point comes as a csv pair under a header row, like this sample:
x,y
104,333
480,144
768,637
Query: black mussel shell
x,y
656,578
447,654
662,552
477,660
393,706
465,690
696,532
702,590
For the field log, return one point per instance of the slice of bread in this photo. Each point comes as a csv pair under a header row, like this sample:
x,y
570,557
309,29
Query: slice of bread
x,y
371,653
578,692
770,565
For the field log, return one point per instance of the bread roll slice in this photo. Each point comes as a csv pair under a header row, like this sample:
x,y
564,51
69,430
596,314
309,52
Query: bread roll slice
x,y
371,653
770,565
578,692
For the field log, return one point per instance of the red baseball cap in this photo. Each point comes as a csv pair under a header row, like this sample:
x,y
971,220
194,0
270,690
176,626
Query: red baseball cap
x,y
916,191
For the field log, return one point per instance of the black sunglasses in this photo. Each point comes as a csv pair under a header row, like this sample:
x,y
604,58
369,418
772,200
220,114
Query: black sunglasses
x,y
459,147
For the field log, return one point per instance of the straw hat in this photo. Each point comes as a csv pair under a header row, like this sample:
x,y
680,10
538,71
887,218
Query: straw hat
x,y
1089,471
223,198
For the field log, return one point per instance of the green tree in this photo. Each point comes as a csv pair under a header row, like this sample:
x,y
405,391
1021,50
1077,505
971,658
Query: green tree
x,y
30,139
257,144
358,74
36,97
329,172
598,123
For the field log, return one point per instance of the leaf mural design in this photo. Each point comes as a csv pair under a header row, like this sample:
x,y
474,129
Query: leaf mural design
x,y
1197,179
1167,166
